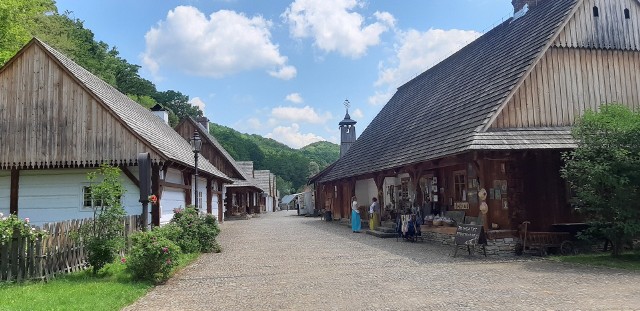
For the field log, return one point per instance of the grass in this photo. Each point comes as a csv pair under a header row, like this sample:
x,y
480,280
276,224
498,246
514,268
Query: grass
x,y
111,289
626,261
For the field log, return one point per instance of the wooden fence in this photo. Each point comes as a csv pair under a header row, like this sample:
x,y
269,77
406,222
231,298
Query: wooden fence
x,y
56,253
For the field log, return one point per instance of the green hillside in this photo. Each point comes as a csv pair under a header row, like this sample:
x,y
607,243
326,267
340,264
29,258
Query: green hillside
x,y
292,166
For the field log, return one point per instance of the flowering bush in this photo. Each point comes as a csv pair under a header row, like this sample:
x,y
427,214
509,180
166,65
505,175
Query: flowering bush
x,y
11,224
152,256
198,232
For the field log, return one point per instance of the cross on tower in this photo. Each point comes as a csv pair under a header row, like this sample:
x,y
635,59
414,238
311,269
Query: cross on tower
x,y
347,104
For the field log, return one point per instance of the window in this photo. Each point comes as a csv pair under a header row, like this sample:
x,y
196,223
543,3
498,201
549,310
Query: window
x,y
87,201
595,11
626,14
459,186
199,198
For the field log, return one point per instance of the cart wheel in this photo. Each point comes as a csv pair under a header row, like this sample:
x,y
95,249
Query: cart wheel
x,y
567,248
519,249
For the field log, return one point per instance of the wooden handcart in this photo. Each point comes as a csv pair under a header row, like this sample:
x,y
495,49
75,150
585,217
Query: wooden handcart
x,y
541,242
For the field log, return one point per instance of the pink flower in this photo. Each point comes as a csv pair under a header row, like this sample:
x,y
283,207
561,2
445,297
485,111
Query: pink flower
x,y
26,220
165,250
123,260
168,261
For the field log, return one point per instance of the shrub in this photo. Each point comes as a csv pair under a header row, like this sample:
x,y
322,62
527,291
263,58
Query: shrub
x,y
198,232
12,224
102,236
152,256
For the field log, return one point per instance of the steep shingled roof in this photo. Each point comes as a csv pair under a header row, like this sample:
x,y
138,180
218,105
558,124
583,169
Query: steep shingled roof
x,y
245,181
143,122
440,112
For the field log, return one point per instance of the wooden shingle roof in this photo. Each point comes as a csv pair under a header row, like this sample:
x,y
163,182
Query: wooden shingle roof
x,y
245,181
440,112
138,119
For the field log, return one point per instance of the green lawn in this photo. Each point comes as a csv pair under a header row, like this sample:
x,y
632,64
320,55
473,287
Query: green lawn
x,y
627,261
111,289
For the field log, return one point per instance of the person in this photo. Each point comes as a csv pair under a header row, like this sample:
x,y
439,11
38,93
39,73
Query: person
x,y
374,214
355,215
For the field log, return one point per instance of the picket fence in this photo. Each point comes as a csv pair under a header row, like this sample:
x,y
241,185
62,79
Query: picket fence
x,y
56,253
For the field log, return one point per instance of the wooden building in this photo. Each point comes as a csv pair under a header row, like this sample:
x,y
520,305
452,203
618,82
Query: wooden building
x,y
58,122
242,187
495,117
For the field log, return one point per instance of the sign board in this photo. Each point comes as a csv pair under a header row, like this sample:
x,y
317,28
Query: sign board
x,y
470,235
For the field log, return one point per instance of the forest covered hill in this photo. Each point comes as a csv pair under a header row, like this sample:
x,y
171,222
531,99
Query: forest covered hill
x,y
22,20
292,166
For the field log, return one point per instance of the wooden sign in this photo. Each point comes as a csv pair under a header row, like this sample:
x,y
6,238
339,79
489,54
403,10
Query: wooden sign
x,y
461,205
470,235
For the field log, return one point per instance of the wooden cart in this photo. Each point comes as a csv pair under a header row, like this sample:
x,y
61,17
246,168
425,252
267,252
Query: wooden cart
x,y
540,242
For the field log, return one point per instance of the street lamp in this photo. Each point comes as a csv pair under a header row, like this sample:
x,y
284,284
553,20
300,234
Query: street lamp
x,y
196,146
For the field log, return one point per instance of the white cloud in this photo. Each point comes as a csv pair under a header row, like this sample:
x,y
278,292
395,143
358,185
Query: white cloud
x,y
418,51
291,136
380,98
357,113
221,44
295,98
284,73
196,101
306,114
335,27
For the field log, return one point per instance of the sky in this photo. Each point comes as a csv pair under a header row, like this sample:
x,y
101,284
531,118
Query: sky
x,y
283,69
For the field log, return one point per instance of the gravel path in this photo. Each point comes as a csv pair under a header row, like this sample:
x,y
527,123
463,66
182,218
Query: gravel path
x,y
280,261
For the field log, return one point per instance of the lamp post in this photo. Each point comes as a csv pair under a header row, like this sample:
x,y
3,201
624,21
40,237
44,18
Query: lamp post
x,y
196,145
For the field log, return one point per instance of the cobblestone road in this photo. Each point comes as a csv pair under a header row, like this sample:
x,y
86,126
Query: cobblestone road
x,y
281,261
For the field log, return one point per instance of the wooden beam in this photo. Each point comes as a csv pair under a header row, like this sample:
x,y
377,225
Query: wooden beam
x,y
186,176
209,196
156,188
174,185
14,193
132,177
220,207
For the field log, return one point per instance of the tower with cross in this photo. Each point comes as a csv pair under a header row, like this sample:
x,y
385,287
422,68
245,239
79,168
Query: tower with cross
x,y
347,131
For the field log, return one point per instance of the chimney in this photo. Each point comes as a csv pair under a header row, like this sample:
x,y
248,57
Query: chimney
x,y
519,4
161,113
204,122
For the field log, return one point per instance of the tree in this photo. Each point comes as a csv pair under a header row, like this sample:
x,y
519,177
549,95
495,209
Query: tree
x,y
178,103
604,172
102,236
314,169
18,20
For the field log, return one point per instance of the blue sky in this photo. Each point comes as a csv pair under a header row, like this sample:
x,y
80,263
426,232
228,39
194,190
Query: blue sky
x,y
283,69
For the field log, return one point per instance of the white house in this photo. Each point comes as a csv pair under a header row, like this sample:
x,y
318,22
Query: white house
x,y
58,122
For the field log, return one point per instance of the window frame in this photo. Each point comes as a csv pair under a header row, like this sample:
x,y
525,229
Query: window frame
x,y
459,187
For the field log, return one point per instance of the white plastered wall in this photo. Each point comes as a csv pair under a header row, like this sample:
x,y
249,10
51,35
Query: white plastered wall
x,y
57,195
5,185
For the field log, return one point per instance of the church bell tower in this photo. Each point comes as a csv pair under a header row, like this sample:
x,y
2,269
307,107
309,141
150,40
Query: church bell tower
x,y
347,131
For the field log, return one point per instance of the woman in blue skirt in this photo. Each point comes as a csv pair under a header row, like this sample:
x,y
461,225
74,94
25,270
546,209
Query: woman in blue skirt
x,y
355,215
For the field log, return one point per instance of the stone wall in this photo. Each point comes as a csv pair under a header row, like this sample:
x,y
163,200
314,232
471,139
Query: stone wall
x,y
503,244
